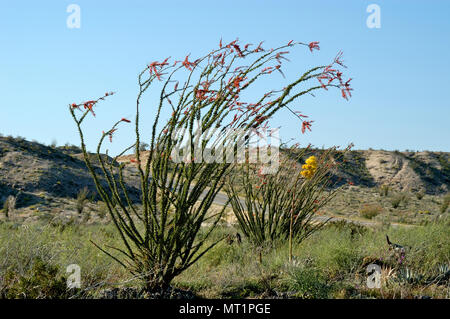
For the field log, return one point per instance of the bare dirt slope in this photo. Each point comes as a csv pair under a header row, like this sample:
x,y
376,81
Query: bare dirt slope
x,y
410,171
35,171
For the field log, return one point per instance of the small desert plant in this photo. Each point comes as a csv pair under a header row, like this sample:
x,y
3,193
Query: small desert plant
x,y
161,239
102,209
9,206
86,216
407,275
308,283
384,190
370,211
419,195
143,146
445,204
5,209
398,199
54,143
82,198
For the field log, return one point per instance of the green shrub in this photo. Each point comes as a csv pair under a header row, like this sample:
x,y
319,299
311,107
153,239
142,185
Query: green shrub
x,y
82,197
9,206
308,283
102,209
445,203
419,195
21,247
143,146
384,190
41,282
398,199
5,209
344,225
370,211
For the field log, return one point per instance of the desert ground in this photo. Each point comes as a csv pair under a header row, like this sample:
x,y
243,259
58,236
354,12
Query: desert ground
x,y
56,217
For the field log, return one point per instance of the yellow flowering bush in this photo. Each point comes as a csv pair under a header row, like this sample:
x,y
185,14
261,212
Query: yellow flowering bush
x,y
309,168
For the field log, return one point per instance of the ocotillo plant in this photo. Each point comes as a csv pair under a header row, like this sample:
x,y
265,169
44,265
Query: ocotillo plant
x,y
161,236
281,206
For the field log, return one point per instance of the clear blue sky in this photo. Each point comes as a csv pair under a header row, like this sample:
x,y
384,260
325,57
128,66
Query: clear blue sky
x,y
401,71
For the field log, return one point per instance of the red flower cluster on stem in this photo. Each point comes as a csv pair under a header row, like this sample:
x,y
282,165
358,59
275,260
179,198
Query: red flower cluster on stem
x,y
89,105
330,74
306,125
154,66
313,45
188,64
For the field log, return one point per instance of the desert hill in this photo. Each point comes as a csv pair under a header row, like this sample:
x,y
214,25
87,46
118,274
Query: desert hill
x,y
37,170
427,172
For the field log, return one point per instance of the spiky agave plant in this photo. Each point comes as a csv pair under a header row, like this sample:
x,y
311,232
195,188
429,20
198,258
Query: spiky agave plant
x,y
160,236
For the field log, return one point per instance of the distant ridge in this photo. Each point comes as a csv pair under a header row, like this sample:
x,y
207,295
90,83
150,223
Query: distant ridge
x,y
426,171
35,168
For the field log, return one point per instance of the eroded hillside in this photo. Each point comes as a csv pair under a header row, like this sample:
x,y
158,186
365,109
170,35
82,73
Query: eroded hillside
x,y
37,170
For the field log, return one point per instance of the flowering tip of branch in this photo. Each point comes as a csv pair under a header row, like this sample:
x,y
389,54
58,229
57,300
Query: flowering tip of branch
x,y
314,45
89,106
346,90
125,120
232,43
247,45
110,133
259,48
188,64
306,125
299,114
267,70
238,49
338,59
152,67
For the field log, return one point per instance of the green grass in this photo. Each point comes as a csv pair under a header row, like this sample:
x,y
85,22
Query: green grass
x,y
333,256
349,203
329,264
59,246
